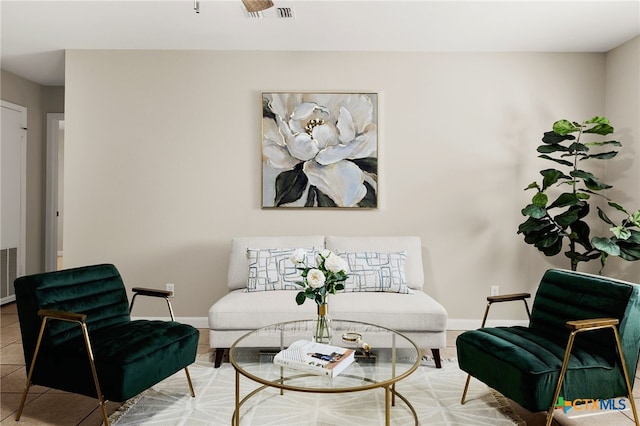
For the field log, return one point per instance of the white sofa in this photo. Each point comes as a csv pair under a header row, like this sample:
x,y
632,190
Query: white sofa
x,y
416,315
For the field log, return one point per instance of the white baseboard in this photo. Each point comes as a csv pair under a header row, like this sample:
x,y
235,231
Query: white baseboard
x,y
452,324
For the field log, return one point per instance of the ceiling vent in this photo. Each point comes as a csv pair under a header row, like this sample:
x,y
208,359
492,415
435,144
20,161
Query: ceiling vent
x,y
271,13
285,12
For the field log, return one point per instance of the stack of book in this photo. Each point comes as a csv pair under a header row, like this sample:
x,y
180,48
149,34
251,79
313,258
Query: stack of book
x,y
316,358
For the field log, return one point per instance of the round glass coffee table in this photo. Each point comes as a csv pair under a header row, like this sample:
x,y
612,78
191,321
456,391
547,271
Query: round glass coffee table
x,y
392,358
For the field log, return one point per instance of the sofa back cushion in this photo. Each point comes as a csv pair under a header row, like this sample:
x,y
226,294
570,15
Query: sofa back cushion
x,y
412,245
238,274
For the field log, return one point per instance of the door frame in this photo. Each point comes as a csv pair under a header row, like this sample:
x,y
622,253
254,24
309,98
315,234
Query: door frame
x,y
22,252
51,202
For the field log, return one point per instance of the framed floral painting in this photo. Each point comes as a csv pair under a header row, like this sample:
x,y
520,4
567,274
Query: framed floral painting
x,y
319,150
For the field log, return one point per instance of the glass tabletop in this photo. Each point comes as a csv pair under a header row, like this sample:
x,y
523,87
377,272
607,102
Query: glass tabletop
x,y
391,358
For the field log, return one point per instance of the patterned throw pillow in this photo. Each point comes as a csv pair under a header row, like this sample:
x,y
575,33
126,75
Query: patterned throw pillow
x,y
272,269
373,271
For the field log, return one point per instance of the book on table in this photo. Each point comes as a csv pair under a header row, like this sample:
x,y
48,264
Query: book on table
x,y
316,358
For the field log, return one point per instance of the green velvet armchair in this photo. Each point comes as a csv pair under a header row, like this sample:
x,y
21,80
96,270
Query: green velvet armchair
x,y
582,342
78,336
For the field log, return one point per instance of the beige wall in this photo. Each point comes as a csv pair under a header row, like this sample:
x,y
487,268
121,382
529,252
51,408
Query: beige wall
x,y
623,103
163,161
39,100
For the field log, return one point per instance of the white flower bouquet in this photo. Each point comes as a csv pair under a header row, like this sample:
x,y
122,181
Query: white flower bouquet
x,y
319,281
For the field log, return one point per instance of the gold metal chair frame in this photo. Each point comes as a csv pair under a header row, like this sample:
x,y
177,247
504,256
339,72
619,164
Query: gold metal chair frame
x,y
576,327
80,319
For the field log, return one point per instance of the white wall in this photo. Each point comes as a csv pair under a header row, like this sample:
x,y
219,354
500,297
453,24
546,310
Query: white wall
x,y
623,104
163,162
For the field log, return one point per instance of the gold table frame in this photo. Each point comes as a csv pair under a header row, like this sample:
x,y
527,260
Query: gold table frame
x,y
389,384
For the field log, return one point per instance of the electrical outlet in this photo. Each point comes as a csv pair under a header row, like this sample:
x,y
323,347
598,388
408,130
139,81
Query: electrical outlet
x,y
170,287
495,290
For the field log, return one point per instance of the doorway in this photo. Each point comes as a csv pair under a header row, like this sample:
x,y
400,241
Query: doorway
x,y
13,177
54,211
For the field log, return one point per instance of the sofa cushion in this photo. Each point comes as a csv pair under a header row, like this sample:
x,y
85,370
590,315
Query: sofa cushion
x,y
420,312
240,310
411,244
272,268
238,273
375,271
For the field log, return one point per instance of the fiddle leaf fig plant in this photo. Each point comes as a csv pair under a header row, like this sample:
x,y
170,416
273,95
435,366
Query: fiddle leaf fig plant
x,y
559,208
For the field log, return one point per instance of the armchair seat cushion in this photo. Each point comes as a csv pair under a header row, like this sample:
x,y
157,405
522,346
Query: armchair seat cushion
x,y
526,366
130,357
524,363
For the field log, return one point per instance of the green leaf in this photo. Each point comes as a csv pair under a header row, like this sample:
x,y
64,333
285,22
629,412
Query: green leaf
x,y
590,180
563,127
606,245
577,147
557,160
554,249
603,155
581,257
598,120
547,241
534,211
300,298
567,218
600,129
565,199
580,233
630,253
290,185
532,224
603,143
540,200
583,196
635,218
618,207
548,149
533,185
621,232
555,138
602,215
551,176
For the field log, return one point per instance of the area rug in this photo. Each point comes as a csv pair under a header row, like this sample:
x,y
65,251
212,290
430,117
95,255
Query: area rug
x,y
434,393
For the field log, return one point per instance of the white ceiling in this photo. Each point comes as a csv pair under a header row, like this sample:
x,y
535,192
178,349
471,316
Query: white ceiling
x,y
36,33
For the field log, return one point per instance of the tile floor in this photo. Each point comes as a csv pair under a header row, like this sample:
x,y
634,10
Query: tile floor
x,y
52,407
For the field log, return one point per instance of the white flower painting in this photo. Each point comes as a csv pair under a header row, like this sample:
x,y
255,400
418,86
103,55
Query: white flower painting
x,y
320,150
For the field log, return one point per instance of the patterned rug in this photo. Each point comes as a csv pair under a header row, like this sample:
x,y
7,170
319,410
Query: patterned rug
x,y
434,393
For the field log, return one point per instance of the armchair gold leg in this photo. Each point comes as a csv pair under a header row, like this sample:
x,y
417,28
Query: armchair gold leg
x,y
565,364
626,377
87,343
27,385
193,394
466,388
